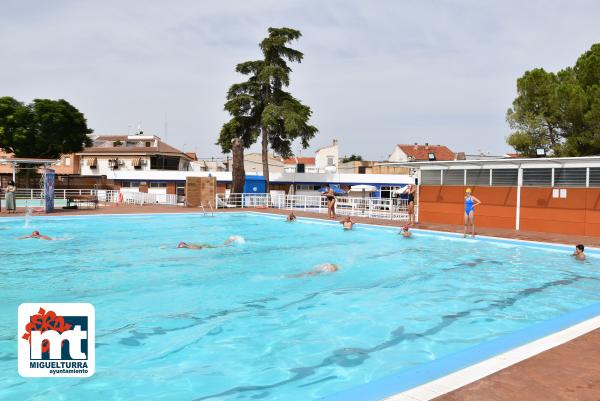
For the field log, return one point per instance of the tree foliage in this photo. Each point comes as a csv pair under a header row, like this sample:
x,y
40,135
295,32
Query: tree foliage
x,y
43,129
352,158
260,107
559,112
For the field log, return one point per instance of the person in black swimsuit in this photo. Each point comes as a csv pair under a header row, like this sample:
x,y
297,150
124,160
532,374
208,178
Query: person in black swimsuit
x,y
410,190
330,202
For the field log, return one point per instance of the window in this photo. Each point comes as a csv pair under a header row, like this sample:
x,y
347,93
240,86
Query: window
x,y
130,184
594,176
307,187
569,177
431,177
386,191
67,161
113,163
454,177
329,161
431,156
148,144
479,177
362,169
158,185
505,177
164,163
537,177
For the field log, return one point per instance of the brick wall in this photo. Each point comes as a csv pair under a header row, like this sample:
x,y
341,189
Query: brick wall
x,y
445,204
577,214
200,191
171,188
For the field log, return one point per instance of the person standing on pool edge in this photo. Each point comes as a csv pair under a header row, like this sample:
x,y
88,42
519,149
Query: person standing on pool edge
x,y
470,203
330,202
410,190
9,195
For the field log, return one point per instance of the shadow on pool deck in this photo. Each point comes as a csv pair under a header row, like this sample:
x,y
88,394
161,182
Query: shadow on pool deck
x,y
569,372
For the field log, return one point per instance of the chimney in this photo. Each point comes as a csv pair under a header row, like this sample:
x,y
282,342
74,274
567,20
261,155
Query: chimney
x,y
335,142
426,145
460,156
416,146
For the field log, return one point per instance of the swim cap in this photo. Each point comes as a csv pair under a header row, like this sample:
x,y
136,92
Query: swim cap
x,y
35,233
468,190
181,244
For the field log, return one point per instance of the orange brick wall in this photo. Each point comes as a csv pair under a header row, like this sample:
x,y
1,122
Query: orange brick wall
x,y
171,188
445,204
578,213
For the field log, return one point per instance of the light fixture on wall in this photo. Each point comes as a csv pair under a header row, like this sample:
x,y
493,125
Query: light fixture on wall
x,y
540,152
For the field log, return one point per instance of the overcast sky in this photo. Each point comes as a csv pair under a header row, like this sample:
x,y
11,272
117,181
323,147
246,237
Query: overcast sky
x,y
375,73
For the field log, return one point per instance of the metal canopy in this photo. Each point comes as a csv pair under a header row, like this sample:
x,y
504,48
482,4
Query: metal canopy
x,y
18,160
505,163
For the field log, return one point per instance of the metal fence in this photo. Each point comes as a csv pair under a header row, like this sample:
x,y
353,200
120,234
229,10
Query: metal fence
x,y
103,196
391,209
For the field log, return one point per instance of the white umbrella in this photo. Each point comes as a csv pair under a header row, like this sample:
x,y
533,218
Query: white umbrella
x,y
363,188
400,191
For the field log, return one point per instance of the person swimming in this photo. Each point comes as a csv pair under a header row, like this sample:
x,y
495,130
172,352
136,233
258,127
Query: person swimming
x,y
405,232
347,223
291,217
579,253
228,242
186,245
318,269
36,235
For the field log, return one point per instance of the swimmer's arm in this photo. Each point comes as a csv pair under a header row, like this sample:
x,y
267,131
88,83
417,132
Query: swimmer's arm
x,y
477,201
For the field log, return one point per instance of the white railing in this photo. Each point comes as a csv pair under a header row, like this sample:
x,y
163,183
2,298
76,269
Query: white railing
x,y
391,209
103,195
143,198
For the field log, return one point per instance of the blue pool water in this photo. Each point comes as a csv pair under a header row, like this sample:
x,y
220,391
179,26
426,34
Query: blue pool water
x,y
35,203
228,324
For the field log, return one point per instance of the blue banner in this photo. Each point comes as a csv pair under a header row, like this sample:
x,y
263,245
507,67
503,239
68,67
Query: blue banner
x,y
49,176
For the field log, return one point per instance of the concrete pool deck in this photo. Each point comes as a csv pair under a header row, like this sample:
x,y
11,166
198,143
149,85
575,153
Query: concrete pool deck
x,y
566,372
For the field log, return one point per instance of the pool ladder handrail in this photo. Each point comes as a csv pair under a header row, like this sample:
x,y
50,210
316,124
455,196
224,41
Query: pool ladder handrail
x,y
212,211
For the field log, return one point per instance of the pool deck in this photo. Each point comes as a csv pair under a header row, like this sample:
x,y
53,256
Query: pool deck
x,y
568,372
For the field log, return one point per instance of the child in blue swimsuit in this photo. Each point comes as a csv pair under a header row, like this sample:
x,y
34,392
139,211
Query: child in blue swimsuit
x,y
470,203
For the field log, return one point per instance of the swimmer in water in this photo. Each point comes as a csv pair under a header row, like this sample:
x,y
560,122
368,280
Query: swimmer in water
x,y
579,254
186,245
405,232
228,242
319,269
347,223
291,217
36,235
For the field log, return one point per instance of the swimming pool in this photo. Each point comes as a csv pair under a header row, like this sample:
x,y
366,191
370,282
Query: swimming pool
x,y
228,324
58,203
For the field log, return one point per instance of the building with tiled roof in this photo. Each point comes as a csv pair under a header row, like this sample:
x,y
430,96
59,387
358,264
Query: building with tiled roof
x,y
109,153
416,152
